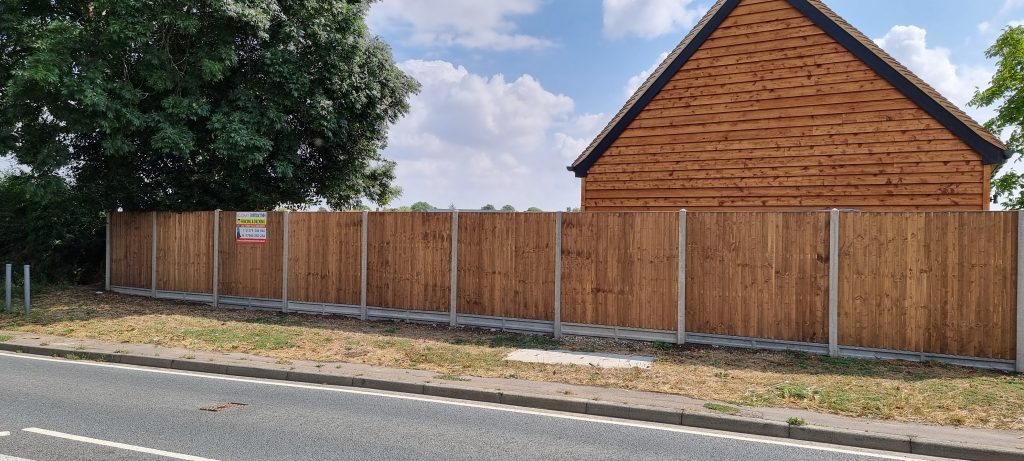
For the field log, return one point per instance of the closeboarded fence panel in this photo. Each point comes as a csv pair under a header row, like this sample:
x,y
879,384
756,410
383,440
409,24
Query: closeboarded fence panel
x,y
409,256
184,252
506,265
942,283
131,250
620,269
324,256
759,275
251,270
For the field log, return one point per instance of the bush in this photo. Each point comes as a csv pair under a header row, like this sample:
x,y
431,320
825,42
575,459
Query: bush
x,y
46,223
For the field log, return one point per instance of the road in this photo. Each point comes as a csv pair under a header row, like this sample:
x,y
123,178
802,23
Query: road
x,y
54,409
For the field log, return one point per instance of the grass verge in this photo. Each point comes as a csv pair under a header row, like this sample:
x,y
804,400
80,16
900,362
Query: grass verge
x,y
928,393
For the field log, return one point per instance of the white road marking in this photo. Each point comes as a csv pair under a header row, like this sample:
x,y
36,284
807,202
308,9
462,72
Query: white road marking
x,y
123,446
5,433
12,458
666,428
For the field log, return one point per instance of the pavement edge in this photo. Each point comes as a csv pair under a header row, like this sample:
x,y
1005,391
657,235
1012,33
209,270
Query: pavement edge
x,y
753,426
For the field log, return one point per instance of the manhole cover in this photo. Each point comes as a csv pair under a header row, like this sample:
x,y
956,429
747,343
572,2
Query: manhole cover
x,y
218,407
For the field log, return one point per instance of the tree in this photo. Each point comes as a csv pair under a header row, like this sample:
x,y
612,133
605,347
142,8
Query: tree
x,y
508,208
1007,91
201,104
45,223
488,207
534,209
422,206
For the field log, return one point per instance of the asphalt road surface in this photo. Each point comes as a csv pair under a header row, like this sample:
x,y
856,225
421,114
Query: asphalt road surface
x,y
53,409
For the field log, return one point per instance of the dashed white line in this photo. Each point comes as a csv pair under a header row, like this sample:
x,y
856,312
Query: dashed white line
x,y
666,428
5,433
123,446
12,458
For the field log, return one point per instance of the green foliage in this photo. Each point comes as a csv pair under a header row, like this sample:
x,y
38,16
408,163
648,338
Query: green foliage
x,y
422,206
47,224
201,104
533,208
508,208
488,207
795,421
1007,92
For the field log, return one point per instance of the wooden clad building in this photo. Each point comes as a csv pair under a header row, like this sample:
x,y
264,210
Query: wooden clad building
x,y
781,104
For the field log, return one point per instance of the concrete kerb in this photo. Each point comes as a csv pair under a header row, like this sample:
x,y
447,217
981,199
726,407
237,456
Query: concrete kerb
x,y
899,444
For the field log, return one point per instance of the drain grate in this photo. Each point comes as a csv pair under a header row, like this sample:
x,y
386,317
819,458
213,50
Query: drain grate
x,y
218,407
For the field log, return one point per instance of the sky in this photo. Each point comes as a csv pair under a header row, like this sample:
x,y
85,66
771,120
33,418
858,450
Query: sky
x,y
514,90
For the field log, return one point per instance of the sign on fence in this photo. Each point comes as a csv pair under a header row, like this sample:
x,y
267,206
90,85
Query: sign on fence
x,y
251,227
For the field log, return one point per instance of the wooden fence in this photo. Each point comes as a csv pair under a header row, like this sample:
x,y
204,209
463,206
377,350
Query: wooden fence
x,y
917,286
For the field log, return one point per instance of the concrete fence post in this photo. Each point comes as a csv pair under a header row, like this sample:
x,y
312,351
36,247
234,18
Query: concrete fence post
x,y
453,315
152,262
558,276
27,282
216,258
284,263
107,256
7,287
1020,292
363,265
681,289
833,283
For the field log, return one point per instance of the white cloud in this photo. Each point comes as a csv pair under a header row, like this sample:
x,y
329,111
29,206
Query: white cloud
x,y
649,18
1011,5
984,27
471,24
635,81
908,44
471,139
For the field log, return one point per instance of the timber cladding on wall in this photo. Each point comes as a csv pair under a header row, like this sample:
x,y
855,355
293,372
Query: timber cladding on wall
x,y
185,252
760,275
409,256
930,282
506,265
771,112
324,257
620,269
251,270
131,249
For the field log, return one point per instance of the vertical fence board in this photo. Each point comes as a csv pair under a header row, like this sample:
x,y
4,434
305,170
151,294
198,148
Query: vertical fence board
x,y
506,265
409,260
940,283
184,252
620,269
131,249
324,257
251,270
760,275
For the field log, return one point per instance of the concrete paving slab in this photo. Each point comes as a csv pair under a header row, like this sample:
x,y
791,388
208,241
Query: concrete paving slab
x,y
581,358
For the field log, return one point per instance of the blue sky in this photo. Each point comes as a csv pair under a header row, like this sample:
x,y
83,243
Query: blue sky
x,y
513,90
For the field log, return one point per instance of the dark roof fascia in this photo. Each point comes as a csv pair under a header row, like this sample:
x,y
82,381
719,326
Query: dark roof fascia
x,y
698,40
990,154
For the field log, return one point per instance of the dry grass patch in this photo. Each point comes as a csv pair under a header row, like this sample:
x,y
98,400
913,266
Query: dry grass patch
x,y
929,393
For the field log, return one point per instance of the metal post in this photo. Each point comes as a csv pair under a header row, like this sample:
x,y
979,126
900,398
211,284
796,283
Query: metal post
x,y
284,265
152,261
216,258
558,275
681,296
7,287
28,291
363,266
833,283
1020,292
453,319
107,257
